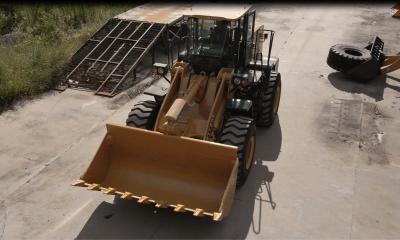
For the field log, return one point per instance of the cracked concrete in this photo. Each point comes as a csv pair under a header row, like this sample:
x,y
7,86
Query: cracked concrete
x,y
328,168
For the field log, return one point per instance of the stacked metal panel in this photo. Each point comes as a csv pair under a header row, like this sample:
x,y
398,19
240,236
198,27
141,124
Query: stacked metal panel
x,y
111,55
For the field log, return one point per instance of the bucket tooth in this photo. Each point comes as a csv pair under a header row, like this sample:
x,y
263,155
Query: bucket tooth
x,y
198,212
94,186
109,190
217,216
79,183
179,208
161,205
126,195
143,199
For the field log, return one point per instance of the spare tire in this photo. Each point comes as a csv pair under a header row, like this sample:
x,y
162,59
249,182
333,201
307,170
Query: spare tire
x,y
345,57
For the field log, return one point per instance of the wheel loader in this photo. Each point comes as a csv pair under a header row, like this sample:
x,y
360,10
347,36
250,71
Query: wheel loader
x,y
193,145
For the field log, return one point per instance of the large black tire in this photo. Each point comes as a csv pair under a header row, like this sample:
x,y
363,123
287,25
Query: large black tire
x,y
345,57
266,104
143,115
240,131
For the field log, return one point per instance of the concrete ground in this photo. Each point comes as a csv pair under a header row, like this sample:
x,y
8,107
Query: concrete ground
x,y
328,168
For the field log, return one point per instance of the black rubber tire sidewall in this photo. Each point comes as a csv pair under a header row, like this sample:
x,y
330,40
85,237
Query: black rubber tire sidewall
x,y
241,141
245,172
143,115
341,60
264,101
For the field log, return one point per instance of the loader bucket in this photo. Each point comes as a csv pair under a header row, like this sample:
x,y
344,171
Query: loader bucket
x,y
170,171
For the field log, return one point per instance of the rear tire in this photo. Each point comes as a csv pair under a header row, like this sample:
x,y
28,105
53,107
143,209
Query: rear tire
x,y
345,57
267,102
240,131
143,115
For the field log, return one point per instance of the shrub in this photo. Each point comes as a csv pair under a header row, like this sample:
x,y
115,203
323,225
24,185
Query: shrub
x,y
55,32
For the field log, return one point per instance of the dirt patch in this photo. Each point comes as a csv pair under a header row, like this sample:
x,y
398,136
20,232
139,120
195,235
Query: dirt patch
x,y
374,22
371,137
131,93
354,123
341,120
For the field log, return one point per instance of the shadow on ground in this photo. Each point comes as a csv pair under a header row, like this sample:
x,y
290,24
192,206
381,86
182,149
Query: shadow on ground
x,y
269,141
392,86
374,88
127,219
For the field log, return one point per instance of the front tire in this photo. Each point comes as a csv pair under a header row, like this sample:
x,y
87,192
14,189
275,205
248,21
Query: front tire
x,y
143,115
240,131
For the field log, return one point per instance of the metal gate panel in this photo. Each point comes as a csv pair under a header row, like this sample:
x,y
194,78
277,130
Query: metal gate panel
x,y
110,56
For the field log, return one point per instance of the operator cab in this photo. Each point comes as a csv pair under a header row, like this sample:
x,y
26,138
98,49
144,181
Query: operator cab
x,y
228,39
224,39
208,48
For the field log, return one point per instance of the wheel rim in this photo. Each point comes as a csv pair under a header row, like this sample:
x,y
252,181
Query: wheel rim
x,y
250,152
277,98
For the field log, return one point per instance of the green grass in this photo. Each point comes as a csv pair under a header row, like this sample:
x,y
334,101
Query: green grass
x,y
54,33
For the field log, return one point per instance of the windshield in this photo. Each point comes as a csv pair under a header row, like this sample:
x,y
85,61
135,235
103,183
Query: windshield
x,y
209,37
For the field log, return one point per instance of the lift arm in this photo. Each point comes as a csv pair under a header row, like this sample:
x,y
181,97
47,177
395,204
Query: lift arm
x,y
391,63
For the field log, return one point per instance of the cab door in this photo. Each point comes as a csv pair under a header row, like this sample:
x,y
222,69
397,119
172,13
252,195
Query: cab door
x,y
251,16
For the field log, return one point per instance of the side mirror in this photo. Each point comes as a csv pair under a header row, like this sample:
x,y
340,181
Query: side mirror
x,y
160,69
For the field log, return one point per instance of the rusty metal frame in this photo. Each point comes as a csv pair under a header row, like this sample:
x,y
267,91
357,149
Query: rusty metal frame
x,y
109,46
112,93
85,58
108,80
116,67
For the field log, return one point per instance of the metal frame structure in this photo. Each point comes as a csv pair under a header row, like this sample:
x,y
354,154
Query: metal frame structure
x,y
391,63
112,54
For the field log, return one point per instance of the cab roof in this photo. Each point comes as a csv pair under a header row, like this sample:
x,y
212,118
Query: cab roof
x,y
164,13
169,13
218,11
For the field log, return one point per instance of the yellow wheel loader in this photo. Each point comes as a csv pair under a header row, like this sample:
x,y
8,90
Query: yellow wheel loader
x,y
194,145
